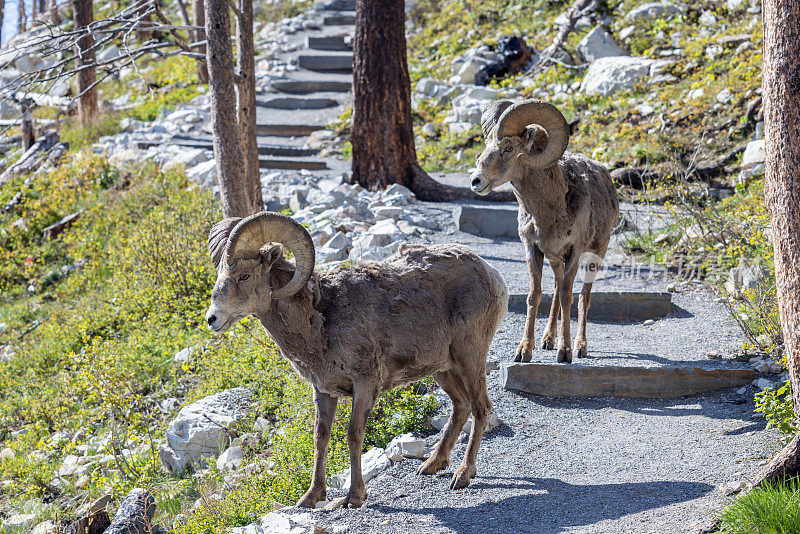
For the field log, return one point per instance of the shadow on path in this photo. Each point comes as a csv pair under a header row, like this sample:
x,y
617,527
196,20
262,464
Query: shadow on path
x,y
552,505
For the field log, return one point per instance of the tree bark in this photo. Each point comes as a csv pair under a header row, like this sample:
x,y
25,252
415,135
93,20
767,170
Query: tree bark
x,y
184,13
235,193
382,134
34,9
781,91
200,35
246,97
84,55
2,18
55,16
22,17
28,130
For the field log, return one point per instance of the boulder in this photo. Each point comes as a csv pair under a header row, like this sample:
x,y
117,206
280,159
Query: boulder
x,y
18,523
653,10
29,63
387,212
610,74
753,154
59,88
334,249
45,527
231,459
405,446
470,67
599,43
744,278
109,53
187,157
203,174
134,514
373,462
200,432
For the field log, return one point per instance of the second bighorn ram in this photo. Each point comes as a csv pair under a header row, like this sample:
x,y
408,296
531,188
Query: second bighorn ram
x,y
568,207
356,332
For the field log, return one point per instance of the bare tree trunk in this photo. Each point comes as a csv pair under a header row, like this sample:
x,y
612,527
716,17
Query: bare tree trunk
x,y
781,91
34,10
2,18
22,17
42,7
84,55
235,193
55,16
200,35
382,134
184,14
246,96
28,131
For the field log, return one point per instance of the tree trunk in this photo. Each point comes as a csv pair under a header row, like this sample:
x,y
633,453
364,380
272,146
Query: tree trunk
x,y
781,91
22,17
184,14
382,136
2,18
55,16
235,194
34,10
199,36
246,97
84,55
28,130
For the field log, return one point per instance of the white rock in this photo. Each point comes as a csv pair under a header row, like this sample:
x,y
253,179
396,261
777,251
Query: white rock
x,y
7,454
373,462
199,430
405,446
426,86
231,459
204,173
184,355
59,87
469,69
729,488
725,96
387,212
45,527
599,43
695,94
754,154
29,63
653,10
492,422
371,253
109,53
762,367
763,383
744,278
429,129
707,19
610,74
482,93
733,5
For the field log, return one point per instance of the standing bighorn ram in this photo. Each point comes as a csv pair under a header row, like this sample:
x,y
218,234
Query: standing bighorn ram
x,y
359,331
568,207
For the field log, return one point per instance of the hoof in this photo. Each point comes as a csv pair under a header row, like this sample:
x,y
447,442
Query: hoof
x,y
524,353
354,500
461,477
582,351
311,498
564,356
547,344
432,465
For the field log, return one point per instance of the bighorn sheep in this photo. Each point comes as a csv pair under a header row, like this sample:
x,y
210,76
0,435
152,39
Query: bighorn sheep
x,y
354,332
568,207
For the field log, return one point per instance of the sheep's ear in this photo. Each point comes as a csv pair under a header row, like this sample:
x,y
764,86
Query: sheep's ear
x,y
218,238
270,253
535,138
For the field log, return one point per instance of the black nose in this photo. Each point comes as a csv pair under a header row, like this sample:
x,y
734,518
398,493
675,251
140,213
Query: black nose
x,y
212,319
476,182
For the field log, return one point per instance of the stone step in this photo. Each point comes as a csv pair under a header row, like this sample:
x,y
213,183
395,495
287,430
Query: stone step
x,y
310,86
328,42
290,102
263,149
292,163
343,18
487,221
576,380
607,306
339,5
326,62
289,130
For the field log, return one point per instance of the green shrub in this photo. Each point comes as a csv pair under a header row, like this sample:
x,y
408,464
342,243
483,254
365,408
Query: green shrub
x,y
776,405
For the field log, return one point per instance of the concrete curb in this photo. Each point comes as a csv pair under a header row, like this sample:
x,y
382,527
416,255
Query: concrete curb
x,y
607,306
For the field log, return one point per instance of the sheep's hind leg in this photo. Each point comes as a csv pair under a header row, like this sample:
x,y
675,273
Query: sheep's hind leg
x,y
535,260
454,387
565,296
325,411
481,407
584,301
550,331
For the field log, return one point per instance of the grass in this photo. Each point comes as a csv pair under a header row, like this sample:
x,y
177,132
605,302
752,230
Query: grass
x,y
111,300
771,510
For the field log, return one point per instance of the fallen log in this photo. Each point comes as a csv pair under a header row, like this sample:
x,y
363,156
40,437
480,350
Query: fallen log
x,y
32,158
64,104
578,9
56,228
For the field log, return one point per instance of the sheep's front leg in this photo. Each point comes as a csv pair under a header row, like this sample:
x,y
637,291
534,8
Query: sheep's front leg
x,y
325,411
565,296
363,401
535,260
551,330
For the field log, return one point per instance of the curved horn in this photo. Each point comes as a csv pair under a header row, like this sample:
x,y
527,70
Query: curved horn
x,y
516,118
257,230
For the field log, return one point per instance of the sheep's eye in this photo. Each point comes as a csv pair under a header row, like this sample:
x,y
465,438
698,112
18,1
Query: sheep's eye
x,y
509,148
244,277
